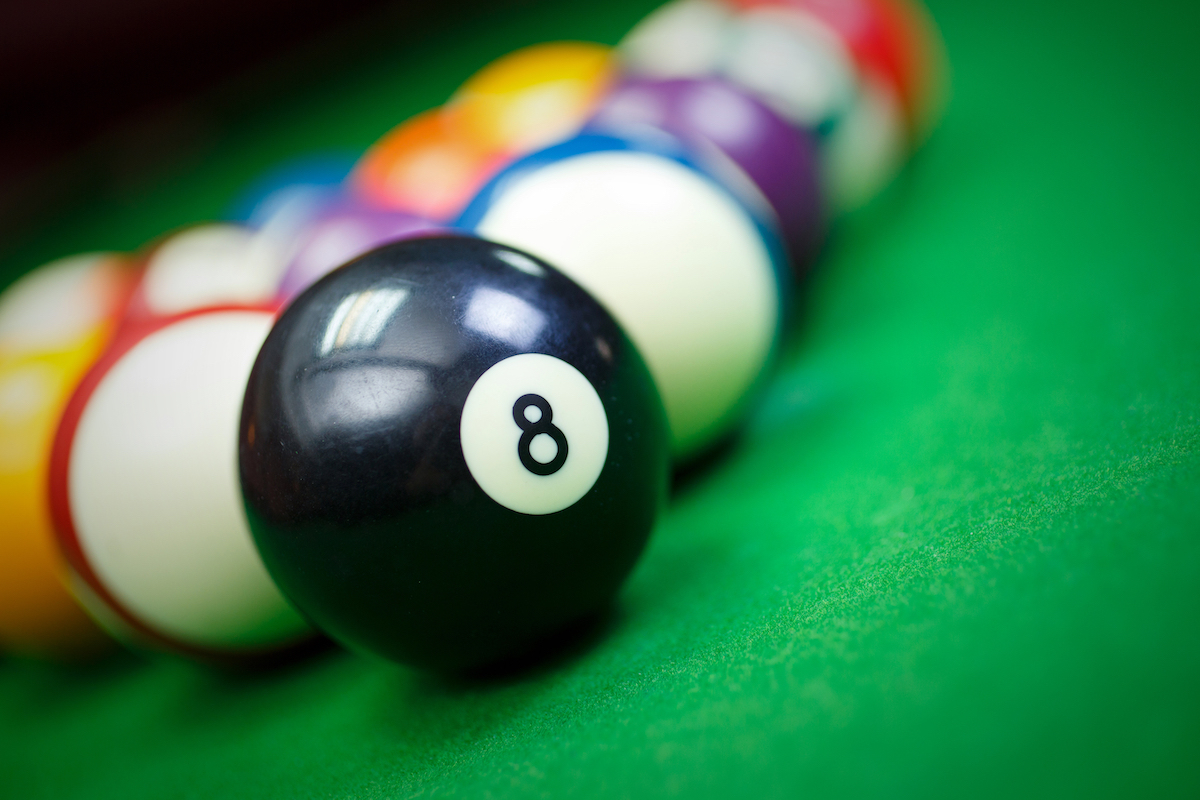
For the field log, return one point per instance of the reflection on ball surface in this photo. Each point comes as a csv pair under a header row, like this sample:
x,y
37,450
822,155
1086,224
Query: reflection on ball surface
x,y
448,451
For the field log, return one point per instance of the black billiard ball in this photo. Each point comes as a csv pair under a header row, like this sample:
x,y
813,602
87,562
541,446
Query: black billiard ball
x,y
448,451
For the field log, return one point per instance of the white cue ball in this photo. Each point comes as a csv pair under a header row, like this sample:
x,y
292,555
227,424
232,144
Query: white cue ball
x,y
673,255
154,499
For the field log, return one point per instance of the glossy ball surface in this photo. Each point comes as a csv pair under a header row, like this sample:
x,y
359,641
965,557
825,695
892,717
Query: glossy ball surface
x,y
448,451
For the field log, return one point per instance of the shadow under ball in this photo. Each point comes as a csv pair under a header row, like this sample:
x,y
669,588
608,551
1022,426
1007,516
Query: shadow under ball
x,y
449,451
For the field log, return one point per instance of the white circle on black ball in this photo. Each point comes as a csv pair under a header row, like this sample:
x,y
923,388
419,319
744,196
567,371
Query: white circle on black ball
x,y
534,434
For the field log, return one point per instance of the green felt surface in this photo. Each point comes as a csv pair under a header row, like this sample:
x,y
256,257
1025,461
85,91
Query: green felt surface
x,y
956,553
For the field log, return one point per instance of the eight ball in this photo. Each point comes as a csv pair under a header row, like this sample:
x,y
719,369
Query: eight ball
x,y
448,451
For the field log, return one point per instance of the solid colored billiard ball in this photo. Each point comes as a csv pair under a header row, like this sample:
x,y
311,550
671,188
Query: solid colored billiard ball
x,y
54,323
340,232
692,272
448,451
425,166
534,96
780,159
145,496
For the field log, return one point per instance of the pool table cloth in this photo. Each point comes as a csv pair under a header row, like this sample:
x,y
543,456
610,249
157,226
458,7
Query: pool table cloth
x,y
956,551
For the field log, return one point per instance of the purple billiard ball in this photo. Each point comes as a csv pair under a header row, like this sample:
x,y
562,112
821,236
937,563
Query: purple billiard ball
x,y
780,159
341,232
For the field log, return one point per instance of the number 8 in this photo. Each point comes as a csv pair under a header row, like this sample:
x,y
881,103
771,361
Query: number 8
x,y
545,425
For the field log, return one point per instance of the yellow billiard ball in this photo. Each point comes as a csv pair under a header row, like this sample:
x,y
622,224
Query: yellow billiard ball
x,y
54,323
534,96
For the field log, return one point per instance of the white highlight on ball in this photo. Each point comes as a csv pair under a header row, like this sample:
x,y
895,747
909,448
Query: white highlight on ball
x,y
154,491
672,255
491,437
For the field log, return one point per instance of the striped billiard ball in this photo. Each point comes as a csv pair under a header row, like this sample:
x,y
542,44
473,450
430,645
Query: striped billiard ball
x,y
694,271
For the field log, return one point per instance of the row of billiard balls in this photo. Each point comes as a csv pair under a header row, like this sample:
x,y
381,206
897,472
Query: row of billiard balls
x,y
447,448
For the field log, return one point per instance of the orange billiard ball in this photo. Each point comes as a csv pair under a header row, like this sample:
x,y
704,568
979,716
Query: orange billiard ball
x,y
424,166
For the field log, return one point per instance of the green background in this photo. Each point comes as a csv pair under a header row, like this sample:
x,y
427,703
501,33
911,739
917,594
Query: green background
x,y
956,552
